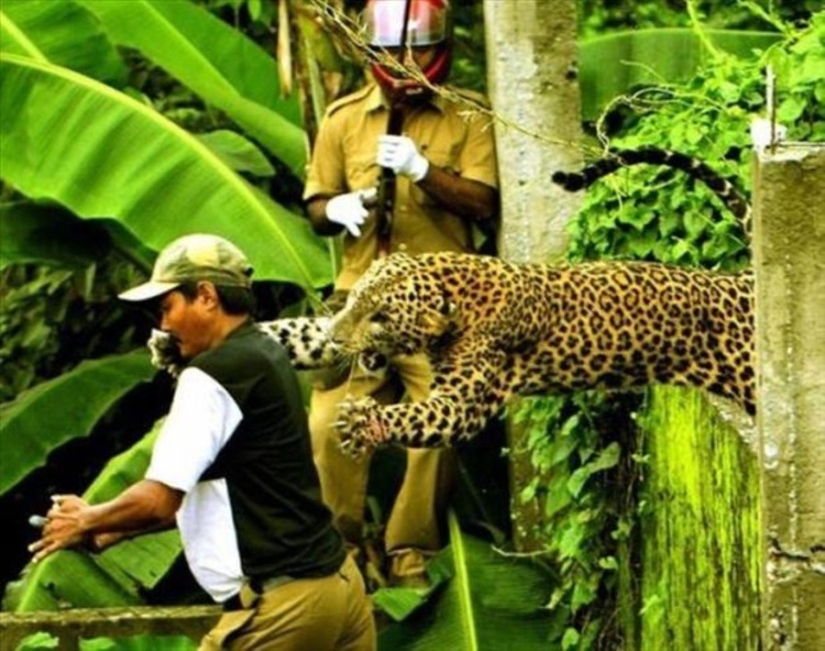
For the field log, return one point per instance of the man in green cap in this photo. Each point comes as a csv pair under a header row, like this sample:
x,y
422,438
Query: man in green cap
x,y
232,466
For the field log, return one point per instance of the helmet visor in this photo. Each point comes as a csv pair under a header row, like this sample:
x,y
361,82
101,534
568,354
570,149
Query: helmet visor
x,y
385,23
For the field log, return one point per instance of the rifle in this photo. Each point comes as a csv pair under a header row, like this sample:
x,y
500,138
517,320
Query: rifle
x,y
387,181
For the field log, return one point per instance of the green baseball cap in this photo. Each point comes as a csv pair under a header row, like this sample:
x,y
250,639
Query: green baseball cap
x,y
192,258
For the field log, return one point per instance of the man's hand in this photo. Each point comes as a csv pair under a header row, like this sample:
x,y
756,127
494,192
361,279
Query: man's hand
x,y
349,210
63,528
400,154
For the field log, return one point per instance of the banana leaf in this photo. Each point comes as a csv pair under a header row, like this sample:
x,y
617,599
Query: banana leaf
x,y
216,62
45,234
144,560
63,33
237,152
95,150
66,579
42,641
117,577
492,602
58,410
614,64
187,40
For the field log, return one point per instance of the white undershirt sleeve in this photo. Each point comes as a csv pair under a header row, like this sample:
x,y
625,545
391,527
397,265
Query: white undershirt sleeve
x,y
201,420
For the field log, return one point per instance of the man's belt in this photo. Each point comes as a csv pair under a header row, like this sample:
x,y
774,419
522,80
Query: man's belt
x,y
252,589
265,585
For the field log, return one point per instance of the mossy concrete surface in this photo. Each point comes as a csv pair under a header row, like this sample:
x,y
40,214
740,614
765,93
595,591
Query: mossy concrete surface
x,y
789,262
698,574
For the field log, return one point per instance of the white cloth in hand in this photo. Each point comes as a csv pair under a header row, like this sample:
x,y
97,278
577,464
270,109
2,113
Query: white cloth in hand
x,y
400,154
165,352
349,209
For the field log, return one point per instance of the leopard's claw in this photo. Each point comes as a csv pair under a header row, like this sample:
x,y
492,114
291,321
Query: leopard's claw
x,y
358,426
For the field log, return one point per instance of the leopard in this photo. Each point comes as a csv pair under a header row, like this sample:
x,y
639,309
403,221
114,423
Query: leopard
x,y
493,329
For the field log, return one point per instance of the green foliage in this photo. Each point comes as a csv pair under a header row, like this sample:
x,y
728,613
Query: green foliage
x,y
119,576
46,30
492,601
27,433
43,641
140,643
113,112
45,155
42,308
601,16
575,447
661,215
469,68
38,642
613,63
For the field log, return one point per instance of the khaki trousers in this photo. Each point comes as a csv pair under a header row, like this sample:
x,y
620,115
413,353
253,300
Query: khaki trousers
x,y
421,501
331,613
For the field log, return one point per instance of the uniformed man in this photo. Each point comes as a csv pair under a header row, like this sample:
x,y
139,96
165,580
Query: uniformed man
x,y
445,172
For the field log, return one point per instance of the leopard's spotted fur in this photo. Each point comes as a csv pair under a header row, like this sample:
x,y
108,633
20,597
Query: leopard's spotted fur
x,y
494,329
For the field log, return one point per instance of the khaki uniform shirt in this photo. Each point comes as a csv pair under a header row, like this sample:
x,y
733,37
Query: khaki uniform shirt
x,y
343,160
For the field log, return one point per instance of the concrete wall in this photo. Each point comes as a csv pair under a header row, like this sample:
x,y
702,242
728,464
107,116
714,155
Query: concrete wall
x,y
789,259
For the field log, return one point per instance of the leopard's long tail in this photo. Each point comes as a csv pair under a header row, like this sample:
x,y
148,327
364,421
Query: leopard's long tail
x,y
618,159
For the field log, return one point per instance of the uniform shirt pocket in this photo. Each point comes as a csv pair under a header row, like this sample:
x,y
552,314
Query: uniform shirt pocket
x,y
362,172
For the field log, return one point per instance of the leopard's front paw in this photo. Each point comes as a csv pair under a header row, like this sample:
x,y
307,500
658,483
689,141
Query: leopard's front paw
x,y
359,426
165,352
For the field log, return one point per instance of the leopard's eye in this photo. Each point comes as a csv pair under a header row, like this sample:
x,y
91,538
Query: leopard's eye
x,y
379,317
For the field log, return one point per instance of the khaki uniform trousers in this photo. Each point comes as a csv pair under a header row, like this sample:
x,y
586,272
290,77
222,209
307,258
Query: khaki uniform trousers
x,y
331,613
422,499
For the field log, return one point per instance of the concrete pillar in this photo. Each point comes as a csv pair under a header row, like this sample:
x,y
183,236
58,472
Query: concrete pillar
x,y
533,88
789,261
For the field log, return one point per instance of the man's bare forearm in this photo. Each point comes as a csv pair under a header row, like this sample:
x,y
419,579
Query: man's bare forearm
x,y
317,213
71,522
469,199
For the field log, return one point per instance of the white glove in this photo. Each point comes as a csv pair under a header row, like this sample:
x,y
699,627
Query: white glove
x,y
400,154
349,209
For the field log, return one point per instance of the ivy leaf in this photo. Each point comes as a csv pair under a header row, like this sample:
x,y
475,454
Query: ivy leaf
x,y
558,498
695,222
570,545
608,458
563,448
729,91
570,639
790,109
583,594
641,246
680,249
577,480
